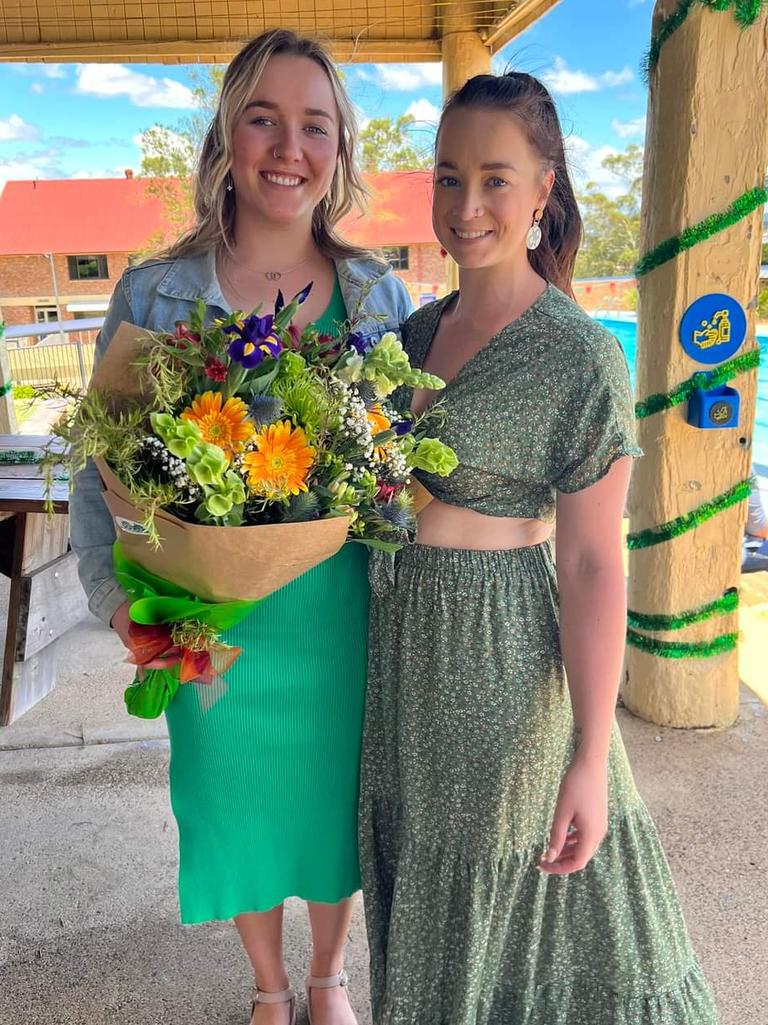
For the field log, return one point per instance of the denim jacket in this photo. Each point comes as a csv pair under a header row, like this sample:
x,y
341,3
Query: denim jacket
x,y
155,295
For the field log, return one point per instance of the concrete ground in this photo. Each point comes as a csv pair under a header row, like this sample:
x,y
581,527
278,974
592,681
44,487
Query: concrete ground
x,y
88,919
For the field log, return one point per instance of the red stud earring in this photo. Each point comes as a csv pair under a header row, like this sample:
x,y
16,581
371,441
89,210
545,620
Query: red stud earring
x,y
443,252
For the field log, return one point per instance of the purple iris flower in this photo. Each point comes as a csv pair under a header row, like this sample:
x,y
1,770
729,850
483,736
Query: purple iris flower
x,y
403,427
358,343
301,296
255,341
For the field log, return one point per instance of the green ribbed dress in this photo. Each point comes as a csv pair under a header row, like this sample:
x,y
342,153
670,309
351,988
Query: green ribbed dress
x,y
264,780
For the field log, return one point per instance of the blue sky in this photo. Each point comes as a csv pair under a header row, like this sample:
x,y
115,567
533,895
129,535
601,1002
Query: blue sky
x,y
72,120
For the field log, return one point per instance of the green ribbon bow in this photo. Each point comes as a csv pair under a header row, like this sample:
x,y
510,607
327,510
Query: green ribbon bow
x,y
156,601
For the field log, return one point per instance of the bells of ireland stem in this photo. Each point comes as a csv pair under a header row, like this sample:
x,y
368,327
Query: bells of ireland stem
x,y
206,464
433,456
220,499
180,437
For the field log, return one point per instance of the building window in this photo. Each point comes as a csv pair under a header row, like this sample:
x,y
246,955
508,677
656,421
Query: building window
x,y
45,314
83,267
396,257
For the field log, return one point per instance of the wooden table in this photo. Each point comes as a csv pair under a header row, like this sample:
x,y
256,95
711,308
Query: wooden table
x,y
45,597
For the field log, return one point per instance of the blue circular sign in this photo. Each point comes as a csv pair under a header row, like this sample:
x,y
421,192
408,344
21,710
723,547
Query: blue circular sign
x,y
713,328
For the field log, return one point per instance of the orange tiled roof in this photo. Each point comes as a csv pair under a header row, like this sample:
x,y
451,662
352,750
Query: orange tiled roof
x,y
119,215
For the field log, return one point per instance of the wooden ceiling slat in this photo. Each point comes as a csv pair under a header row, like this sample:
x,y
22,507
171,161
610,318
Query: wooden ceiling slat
x,y
176,31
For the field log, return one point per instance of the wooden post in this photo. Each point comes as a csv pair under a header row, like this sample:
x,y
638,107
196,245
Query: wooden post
x,y
706,146
7,408
464,55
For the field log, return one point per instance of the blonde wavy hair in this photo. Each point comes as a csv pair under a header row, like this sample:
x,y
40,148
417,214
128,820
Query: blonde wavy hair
x,y
215,207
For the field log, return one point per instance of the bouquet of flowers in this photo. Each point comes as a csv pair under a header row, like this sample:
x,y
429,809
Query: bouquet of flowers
x,y
247,424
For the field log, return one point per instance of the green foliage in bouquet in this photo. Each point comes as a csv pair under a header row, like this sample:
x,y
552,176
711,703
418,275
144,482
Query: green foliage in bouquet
x,y
251,420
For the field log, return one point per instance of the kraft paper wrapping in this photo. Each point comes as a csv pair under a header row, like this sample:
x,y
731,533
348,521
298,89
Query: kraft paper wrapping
x,y
115,375
214,563
419,495
221,563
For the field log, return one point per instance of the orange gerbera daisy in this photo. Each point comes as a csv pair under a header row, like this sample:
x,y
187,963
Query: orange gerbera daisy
x,y
280,465
378,421
224,425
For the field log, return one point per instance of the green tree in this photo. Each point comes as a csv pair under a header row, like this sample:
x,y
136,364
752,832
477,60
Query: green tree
x,y
612,224
169,153
387,145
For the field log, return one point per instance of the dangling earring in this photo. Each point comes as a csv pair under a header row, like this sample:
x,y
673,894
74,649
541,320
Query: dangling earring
x,y
533,237
230,186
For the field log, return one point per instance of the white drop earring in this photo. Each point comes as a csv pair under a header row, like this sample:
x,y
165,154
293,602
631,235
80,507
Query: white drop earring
x,y
230,186
533,237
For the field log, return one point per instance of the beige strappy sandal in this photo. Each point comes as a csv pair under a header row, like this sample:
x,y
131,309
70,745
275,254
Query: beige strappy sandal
x,y
285,996
322,982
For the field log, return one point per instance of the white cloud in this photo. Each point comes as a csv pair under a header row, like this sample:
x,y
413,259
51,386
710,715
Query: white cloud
x,y
561,79
13,129
108,80
614,78
167,135
37,88
160,138
423,110
362,118
100,172
30,166
53,70
403,77
585,165
626,129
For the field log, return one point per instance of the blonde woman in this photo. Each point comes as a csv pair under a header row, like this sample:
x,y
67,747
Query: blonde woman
x,y
264,784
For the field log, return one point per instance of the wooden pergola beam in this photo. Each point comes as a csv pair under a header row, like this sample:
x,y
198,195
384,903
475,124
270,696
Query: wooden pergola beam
x,y
213,51
212,31
518,19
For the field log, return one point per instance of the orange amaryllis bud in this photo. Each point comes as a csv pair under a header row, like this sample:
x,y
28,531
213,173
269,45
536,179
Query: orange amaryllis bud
x,y
195,665
149,642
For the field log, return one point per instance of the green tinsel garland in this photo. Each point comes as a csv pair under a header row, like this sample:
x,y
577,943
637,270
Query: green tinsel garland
x,y
683,649
703,379
666,531
15,457
669,248
727,602
746,13
5,388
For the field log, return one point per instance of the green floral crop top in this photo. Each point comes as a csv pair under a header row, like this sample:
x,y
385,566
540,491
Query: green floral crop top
x,y
545,406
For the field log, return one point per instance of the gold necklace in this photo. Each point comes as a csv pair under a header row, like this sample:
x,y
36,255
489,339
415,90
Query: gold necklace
x,y
276,275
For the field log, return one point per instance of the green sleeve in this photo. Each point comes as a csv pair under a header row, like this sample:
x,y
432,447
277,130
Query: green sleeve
x,y
597,425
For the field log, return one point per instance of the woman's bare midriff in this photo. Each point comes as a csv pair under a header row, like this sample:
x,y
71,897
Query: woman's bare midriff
x,y
449,526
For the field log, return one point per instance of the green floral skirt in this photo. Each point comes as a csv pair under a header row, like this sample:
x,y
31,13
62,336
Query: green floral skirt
x,y
468,731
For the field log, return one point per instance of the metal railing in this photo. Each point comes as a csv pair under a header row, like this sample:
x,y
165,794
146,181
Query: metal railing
x,y
63,352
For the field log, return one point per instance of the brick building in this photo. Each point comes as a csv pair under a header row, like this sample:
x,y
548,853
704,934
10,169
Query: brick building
x,y
399,222
65,243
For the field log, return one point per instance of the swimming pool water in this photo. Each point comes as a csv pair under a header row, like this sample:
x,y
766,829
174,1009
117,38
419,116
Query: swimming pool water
x,y
626,332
